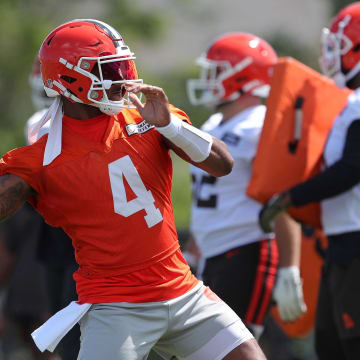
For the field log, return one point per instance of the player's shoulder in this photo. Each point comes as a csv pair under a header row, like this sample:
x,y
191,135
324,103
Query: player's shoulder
x,y
33,150
179,113
130,116
248,124
352,110
253,116
250,119
29,156
212,122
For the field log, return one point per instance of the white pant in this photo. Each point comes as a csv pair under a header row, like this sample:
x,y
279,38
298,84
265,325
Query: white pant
x,y
194,326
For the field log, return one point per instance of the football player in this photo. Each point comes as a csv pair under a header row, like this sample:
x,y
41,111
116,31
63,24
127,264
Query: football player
x,y
239,259
337,328
103,173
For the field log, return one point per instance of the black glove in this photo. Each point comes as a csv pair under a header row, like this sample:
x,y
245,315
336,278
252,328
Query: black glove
x,y
275,206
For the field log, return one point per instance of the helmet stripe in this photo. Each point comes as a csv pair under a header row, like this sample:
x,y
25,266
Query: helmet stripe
x,y
114,35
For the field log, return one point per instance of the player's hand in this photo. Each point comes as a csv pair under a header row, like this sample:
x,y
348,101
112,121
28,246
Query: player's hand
x,y
275,206
288,294
156,108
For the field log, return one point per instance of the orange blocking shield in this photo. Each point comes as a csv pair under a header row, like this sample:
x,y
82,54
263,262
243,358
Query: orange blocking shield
x,y
301,109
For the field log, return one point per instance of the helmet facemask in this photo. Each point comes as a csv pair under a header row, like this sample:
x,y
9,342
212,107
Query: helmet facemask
x,y
209,88
112,72
103,73
334,47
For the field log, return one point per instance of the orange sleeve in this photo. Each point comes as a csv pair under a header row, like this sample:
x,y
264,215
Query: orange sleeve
x,y
132,116
25,162
180,114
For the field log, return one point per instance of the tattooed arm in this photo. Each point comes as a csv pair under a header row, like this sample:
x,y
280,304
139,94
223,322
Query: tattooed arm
x,y
14,191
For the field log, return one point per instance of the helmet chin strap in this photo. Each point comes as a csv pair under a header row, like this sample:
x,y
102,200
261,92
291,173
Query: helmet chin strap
x,y
108,109
353,72
342,79
111,107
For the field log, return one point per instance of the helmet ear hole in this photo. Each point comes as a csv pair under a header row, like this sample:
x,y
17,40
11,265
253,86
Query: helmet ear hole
x,y
68,79
356,47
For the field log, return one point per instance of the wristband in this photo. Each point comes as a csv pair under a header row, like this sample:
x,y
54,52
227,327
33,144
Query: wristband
x,y
194,142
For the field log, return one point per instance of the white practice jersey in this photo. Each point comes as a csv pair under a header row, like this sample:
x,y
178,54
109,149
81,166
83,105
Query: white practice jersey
x,y
35,118
222,216
341,213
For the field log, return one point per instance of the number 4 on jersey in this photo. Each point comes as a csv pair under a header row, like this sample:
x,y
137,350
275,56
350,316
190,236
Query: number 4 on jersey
x,y
144,200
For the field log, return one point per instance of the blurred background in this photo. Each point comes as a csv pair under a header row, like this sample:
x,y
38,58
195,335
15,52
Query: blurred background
x,y
166,37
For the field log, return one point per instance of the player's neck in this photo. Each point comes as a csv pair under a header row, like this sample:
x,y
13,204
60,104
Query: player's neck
x,y
229,110
80,111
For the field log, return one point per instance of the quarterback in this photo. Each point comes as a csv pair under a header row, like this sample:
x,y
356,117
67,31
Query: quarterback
x,y
103,173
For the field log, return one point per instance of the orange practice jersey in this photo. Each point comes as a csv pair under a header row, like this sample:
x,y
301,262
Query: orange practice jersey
x,y
113,199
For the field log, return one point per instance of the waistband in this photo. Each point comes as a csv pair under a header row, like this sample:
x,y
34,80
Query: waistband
x,y
343,248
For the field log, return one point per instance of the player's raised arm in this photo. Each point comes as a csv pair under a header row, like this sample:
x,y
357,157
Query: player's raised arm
x,y
14,191
190,143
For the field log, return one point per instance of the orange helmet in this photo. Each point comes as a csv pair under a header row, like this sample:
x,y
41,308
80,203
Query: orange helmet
x,y
340,58
82,59
235,64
